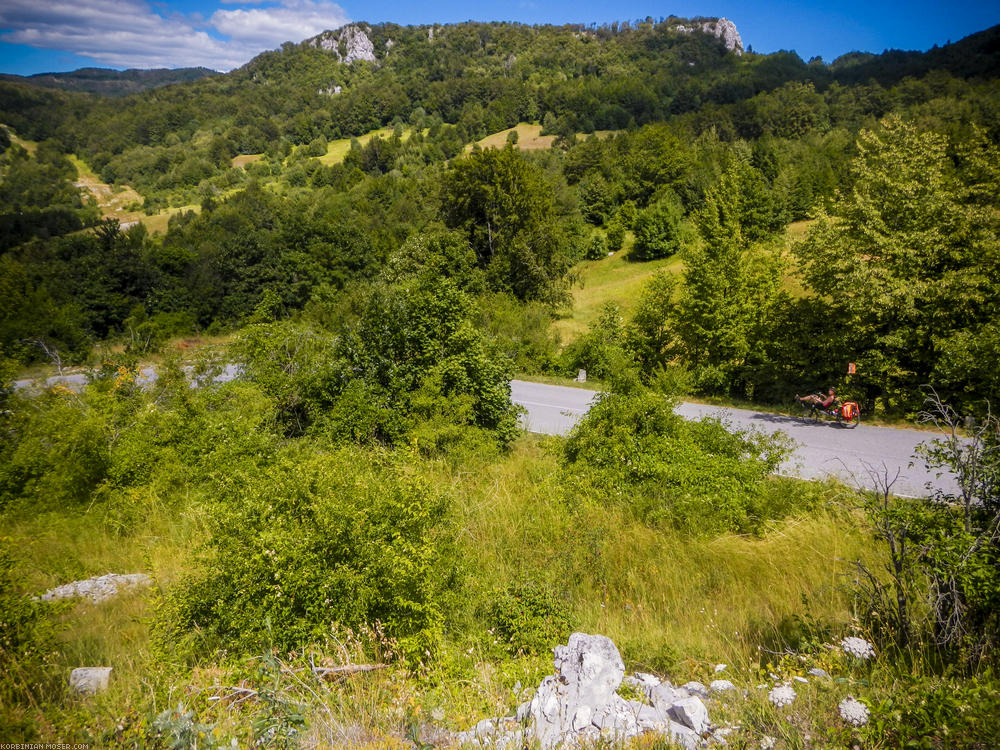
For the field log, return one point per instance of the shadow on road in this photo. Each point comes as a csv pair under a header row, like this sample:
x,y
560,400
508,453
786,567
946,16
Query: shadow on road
x,y
789,419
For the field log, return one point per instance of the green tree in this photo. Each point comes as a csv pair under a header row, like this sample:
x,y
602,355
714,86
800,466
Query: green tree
x,y
729,287
910,262
651,335
658,230
503,203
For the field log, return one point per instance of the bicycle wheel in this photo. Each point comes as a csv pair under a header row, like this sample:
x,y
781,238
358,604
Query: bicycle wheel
x,y
855,419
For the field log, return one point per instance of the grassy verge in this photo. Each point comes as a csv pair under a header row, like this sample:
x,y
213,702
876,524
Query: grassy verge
x,y
673,603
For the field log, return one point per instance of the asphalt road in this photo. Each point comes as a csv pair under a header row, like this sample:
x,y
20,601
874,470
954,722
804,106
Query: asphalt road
x,y
821,448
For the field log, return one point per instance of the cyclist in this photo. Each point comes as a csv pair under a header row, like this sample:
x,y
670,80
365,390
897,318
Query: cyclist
x,y
816,399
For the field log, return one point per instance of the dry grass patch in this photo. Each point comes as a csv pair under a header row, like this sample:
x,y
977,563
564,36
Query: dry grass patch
x,y
529,138
112,200
243,159
29,146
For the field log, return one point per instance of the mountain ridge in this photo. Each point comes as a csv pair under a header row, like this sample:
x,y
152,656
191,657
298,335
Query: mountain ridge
x,y
111,82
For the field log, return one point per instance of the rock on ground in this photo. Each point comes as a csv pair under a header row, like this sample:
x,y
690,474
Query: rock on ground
x,y
721,686
89,680
579,704
97,589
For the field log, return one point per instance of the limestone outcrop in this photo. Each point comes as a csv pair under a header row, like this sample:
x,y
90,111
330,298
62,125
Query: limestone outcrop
x,y
348,43
720,28
579,704
89,680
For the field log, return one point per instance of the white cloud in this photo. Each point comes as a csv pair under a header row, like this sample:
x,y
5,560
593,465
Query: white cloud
x,y
292,20
129,33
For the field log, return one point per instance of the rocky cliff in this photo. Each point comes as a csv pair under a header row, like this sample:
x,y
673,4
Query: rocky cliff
x,y
720,28
348,43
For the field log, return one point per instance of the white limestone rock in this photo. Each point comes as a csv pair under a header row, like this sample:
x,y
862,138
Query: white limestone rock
x,y
643,681
721,686
97,589
89,680
720,28
696,688
348,43
664,695
691,712
579,705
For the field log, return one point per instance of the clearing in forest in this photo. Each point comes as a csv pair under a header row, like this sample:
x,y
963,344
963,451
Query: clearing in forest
x,y
121,202
611,279
337,150
618,279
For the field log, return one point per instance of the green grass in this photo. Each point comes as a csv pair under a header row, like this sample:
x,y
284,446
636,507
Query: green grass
x,y
655,592
337,150
617,279
672,603
611,279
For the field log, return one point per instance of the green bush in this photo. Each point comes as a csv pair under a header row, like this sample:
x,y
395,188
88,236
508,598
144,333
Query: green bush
x,y
601,351
520,332
933,712
314,541
616,234
57,449
698,476
527,618
597,247
658,230
27,646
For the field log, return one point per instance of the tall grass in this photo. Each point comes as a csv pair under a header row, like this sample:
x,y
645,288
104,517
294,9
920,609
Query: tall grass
x,y
674,604
666,598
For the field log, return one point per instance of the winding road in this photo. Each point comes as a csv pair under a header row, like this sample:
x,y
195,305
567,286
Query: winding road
x,y
821,448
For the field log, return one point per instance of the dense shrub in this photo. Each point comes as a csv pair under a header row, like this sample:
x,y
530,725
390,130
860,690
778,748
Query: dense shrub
x,y
658,230
527,618
930,712
27,645
57,450
601,351
521,332
633,449
343,539
941,594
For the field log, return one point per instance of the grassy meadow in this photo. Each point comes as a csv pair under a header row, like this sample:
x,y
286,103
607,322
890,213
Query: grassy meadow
x,y
613,279
674,604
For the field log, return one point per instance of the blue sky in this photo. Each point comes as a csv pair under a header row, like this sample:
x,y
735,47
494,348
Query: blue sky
x,y
56,35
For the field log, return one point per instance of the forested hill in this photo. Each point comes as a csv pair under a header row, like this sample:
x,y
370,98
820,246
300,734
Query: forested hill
x,y
318,170
485,77
107,82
